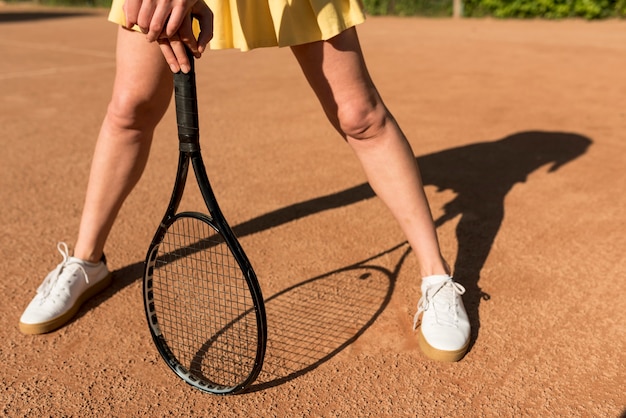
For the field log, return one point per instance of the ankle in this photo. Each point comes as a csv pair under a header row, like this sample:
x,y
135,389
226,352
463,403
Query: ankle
x,y
433,265
436,270
89,256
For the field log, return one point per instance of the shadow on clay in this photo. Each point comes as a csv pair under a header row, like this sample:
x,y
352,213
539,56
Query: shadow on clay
x,y
314,320
479,174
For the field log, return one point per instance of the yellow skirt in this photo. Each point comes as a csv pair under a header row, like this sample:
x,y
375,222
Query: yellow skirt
x,y
248,24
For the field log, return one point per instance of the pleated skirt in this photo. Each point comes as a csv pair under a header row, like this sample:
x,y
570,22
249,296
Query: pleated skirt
x,y
249,24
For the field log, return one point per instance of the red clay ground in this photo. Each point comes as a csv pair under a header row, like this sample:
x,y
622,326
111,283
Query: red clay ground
x,y
490,108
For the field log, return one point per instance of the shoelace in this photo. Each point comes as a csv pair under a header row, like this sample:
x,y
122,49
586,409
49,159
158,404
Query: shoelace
x,y
446,293
51,279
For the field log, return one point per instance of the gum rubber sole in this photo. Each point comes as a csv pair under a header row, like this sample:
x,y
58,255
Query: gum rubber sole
x,y
440,355
44,327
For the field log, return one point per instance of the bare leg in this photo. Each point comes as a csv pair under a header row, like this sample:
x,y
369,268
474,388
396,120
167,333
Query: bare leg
x,y
141,95
337,73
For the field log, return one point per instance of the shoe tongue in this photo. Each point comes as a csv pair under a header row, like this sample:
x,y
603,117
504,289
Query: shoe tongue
x,y
433,280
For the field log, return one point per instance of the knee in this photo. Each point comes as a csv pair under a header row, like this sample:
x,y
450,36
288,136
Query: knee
x,y
363,120
132,111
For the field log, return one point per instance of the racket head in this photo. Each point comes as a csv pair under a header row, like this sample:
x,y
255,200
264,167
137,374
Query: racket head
x,y
204,306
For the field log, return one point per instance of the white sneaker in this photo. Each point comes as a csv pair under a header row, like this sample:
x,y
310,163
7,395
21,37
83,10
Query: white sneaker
x,y
445,329
62,292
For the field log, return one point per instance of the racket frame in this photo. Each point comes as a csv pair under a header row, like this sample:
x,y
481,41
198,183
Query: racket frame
x,y
189,152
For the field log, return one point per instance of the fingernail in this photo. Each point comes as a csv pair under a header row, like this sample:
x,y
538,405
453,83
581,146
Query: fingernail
x,y
173,68
185,68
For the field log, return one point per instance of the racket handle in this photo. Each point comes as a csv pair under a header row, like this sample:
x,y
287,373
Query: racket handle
x,y
186,101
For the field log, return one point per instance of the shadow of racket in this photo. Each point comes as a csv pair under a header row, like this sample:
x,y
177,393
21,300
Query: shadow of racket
x,y
312,321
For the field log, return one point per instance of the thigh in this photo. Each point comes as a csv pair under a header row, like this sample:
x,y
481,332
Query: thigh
x,y
336,71
143,81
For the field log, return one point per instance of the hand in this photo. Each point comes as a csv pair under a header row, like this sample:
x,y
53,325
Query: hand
x,y
169,23
173,48
154,17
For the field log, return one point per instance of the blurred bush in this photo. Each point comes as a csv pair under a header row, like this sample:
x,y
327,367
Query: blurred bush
x,y
547,9
409,7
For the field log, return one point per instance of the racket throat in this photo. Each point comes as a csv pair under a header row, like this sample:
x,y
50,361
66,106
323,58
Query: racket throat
x,y
189,145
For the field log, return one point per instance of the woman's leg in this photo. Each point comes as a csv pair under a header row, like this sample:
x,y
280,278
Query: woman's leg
x,y
337,73
141,95
336,70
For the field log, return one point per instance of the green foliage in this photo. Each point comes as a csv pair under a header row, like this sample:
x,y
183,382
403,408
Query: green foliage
x,y
549,9
409,7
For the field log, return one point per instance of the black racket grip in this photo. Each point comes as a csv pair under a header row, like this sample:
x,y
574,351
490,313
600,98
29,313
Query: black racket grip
x,y
186,101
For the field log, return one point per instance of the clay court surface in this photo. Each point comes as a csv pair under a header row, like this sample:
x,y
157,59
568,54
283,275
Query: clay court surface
x,y
519,130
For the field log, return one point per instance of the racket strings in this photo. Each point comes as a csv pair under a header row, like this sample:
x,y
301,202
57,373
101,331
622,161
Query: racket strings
x,y
204,308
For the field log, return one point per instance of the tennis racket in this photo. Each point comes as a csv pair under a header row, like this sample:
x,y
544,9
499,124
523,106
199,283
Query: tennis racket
x,y
203,302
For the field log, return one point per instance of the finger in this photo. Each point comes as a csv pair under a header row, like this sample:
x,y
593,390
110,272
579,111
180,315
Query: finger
x,y
145,15
187,37
203,40
159,21
181,55
176,21
204,15
205,35
168,53
131,12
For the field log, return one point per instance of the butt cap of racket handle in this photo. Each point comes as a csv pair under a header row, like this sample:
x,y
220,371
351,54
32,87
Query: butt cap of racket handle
x,y
185,97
